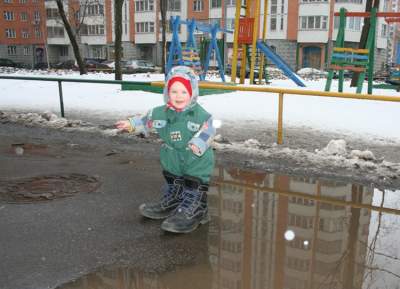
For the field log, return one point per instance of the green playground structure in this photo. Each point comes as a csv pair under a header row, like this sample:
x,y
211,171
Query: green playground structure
x,y
350,59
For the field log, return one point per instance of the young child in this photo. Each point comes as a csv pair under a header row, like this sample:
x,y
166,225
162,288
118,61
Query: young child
x,y
186,157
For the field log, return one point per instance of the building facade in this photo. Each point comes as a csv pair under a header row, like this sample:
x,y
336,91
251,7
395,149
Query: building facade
x,y
23,36
302,33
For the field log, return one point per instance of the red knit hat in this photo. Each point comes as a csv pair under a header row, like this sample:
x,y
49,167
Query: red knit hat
x,y
182,80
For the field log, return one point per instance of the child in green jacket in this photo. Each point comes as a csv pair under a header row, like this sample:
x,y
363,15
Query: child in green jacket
x,y
186,157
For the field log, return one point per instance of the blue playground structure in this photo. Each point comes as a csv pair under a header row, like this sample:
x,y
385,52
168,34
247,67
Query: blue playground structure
x,y
279,62
189,55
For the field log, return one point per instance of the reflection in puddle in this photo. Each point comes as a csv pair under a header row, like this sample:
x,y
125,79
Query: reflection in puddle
x,y
274,231
20,148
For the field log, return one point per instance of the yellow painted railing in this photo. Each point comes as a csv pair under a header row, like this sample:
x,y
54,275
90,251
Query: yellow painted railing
x,y
282,91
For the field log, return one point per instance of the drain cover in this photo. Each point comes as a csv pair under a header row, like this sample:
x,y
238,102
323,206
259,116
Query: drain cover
x,y
45,188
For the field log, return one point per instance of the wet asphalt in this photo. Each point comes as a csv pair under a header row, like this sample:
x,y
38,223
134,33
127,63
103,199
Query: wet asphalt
x,y
46,244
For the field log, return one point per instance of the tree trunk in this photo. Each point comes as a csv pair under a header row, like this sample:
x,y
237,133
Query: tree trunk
x,y
364,35
163,11
118,37
72,38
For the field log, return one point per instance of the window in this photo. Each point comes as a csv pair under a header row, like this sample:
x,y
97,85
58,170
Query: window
x,y
272,23
144,5
10,33
92,30
27,50
52,13
95,9
216,3
230,2
350,1
64,51
38,33
274,6
312,1
175,5
7,1
8,15
144,27
36,16
313,22
25,33
198,5
55,31
24,16
384,30
230,23
12,50
23,1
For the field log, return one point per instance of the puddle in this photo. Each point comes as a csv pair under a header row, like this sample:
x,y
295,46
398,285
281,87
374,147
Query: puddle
x,y
275,231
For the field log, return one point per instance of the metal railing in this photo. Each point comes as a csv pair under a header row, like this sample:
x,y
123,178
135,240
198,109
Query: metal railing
x,y
219,86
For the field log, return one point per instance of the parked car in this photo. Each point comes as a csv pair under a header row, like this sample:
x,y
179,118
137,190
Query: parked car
x,y
139,66
68,64
111,64
9,63
94,65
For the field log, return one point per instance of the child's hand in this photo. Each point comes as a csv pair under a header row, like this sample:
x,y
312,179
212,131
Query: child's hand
x,y
195,149
123,125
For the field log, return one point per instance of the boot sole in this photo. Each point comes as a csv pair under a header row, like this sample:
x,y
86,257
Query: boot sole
x,y
204,221
152,217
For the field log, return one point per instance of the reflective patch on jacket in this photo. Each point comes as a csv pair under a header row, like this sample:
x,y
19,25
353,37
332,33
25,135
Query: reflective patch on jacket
x,y
159,123
192,126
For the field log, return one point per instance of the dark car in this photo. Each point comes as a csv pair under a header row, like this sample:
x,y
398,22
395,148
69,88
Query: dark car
x,y
9,63
93,65
68,64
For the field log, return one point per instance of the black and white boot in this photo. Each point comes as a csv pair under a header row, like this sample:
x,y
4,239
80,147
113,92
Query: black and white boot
x,y
170,199
192,211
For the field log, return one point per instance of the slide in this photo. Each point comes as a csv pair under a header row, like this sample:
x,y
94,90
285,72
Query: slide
x,y
279,62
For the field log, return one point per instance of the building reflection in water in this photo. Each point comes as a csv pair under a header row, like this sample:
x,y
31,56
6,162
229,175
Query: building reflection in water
x,y
251,211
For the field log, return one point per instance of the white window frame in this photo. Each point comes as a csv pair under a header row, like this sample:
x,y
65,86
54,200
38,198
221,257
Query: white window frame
x,y
11,33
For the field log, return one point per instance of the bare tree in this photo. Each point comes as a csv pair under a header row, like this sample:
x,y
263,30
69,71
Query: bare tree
x,y
163,12
71,36
364,34
118,37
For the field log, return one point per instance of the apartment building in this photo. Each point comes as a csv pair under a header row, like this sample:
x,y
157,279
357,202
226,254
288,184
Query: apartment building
x,y
301,31
394,35
304,33
23,35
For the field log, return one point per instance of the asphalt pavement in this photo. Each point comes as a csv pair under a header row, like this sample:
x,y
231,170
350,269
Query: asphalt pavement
x,y
46,243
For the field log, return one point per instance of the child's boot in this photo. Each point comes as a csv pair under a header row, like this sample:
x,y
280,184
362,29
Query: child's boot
x,y
170,199
193,210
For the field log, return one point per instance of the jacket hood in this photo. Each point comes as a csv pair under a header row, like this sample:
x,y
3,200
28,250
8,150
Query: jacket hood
x,y
187,73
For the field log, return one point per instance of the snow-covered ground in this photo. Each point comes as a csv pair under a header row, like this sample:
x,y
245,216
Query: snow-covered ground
x,y
314,127
360,117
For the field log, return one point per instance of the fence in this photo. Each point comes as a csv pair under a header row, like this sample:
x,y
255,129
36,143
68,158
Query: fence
x,y
154,86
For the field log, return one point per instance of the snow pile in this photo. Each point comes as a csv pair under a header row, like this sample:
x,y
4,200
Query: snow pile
x,y
311,73
335,156
335,147
46,119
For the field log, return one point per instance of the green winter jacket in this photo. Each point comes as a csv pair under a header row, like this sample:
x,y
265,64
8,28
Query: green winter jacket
x,y
178,130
